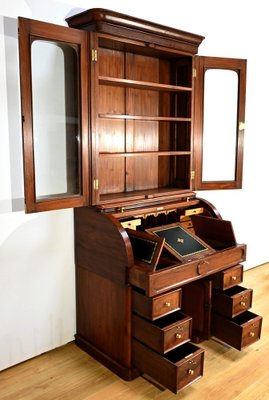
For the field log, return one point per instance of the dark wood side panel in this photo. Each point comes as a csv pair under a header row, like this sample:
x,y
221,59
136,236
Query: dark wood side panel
x,y
102,245
111,99
103,253
197,303
103,315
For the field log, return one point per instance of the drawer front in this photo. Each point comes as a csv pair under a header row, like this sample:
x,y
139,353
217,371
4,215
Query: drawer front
x,y
230,277
156,307
166,303
232,301
251,330
165,333
190,370
238,332
177,335
176,370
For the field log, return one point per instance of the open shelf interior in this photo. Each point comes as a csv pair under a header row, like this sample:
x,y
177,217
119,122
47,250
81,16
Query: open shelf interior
x,y
144,121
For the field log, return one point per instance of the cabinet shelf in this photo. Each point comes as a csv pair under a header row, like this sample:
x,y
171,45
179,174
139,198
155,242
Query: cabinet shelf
x,y
131,198
143,117
144,154
104,80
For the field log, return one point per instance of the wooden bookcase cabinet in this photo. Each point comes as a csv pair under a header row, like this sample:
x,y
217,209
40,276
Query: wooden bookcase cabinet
x,y
138,89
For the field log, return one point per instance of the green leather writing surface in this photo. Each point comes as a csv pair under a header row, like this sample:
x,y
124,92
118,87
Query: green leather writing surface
x,y
180,241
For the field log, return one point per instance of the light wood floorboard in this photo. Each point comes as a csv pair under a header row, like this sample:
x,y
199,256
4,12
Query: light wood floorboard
x,y
67,373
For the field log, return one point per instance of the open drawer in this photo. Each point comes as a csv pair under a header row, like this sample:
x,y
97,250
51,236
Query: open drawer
x,y
238,332
178,274
232,301
165,333
175,370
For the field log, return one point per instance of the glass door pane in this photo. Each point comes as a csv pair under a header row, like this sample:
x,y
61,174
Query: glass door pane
x,y
56,119
220,125
219,114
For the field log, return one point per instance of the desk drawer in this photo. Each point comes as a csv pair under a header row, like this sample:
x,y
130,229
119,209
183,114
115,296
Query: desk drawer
x,y
165,333
230,277
178,274
232,301
175,370
155,307
238,332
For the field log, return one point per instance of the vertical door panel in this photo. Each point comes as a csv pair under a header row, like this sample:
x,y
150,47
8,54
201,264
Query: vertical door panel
x,y
54,84
219,110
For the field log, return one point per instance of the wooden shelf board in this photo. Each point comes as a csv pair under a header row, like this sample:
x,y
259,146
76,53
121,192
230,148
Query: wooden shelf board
x,y
105,80
143,117
145,154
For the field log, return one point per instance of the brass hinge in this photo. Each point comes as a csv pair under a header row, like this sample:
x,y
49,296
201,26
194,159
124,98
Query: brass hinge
x,y
194,72
95,184
192,175
94,55
241,126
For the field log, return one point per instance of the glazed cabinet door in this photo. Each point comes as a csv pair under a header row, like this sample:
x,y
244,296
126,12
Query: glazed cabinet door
x,y
54,100
219,114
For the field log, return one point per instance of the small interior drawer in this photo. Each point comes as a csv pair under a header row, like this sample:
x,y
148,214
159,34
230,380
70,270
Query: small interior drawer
x,y
165,333
238,332
232,301
155,307
176,370
230,277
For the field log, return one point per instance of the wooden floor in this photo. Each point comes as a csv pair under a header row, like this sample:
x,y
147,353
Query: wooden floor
x,y
67,373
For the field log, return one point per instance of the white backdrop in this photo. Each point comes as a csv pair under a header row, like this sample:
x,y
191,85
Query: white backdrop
x,y
37,296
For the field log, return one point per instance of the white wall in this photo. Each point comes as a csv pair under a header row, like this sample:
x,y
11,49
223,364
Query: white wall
x,y
37,297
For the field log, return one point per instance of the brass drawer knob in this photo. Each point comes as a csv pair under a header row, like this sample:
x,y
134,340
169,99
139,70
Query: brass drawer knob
x,y
167,304
251,334
243,303
178,336
233,278
190,371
